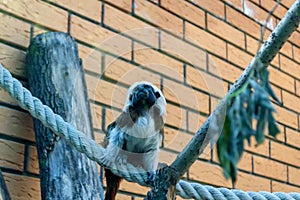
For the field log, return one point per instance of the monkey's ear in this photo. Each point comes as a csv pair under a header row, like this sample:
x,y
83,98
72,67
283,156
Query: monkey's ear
x,y
157,95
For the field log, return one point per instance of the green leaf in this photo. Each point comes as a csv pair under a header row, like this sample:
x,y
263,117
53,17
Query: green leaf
x,y
272,93
251,102
272,126
260,126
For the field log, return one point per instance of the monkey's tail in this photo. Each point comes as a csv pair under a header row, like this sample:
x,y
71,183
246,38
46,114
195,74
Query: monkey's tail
x,y
113,183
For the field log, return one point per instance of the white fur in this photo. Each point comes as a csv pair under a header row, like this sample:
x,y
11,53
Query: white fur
x,y
141,138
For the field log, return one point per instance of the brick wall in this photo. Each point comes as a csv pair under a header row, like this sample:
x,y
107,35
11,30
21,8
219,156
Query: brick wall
x,y
193,49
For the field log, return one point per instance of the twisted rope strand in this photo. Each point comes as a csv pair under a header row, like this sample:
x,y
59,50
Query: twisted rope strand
x,y
93,151
64,129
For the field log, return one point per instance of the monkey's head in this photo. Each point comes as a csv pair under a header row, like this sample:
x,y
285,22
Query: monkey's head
x,y
142,96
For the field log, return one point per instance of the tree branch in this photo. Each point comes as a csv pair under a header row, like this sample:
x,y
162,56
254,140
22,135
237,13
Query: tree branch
x,y
209,130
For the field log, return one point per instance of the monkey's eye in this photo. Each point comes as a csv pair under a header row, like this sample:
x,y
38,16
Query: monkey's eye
x,y
157,95
130,98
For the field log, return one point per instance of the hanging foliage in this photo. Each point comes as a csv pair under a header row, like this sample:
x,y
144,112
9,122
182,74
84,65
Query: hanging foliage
x,y
249,113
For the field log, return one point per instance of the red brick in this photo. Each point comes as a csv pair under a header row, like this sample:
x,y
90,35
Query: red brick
x,y
295,38
16,124
183,50
281,79
245,162
38,30
5,97
277,92
287,3
166,157
297,87
235,3
225,31
154,1
292,137
105,92
262,149
287,49
133,188
99,138
242,22
208,173
285,154
296,53
253,47
214,6
38,12
294,175
286,117
275,61
207,153
158,62
223,69
239,57
280,137
262,166
258,14
100,37
22,187
175,139
252,44
206,82
269,5
97,115
91,58
14,30
281,187
158,16
12,155
289,66
126,73
185,10
122,4
121,196
131,26
33,164
246,182
13,60
89,8
291,101
176,117
205,40
186,96
195,121
110,116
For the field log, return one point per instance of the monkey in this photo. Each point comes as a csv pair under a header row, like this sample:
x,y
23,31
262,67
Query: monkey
x,y
134,137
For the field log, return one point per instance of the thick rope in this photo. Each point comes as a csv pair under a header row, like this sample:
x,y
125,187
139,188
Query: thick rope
x,y
93,151
197,191
64,129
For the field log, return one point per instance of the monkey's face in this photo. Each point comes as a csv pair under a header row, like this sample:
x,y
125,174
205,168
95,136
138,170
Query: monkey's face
x,y
142,96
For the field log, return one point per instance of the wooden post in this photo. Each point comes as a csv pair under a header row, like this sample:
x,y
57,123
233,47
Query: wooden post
x,y
56,76
4,194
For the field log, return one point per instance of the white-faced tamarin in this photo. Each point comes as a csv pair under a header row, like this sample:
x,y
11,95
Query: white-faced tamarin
x,y
135,135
